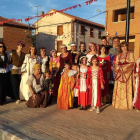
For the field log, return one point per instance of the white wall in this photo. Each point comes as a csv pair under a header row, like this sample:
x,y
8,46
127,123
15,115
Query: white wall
x,y
46,35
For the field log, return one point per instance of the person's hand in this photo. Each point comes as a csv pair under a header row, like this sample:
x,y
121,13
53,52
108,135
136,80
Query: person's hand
x,y
102,86
89,86
34,96
23,73
71,89
136,74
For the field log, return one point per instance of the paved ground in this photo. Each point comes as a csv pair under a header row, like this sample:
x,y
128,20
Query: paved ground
x,y
52,124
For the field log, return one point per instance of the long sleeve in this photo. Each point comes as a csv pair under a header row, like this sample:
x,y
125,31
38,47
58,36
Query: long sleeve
x,y
23,67
71,59
72,82
101,76
89,76
9,56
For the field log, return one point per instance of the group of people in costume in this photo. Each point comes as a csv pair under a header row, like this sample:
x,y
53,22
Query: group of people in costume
x,y
85,78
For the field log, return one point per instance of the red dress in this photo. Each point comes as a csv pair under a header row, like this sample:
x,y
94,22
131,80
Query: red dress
x,y
83,88
100,79
105,64
62,60
137,92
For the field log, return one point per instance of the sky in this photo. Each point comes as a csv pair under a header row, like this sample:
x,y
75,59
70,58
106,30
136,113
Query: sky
x,y
21,9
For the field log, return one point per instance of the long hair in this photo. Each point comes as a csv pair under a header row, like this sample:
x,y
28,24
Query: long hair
x,y
81,59
31,48
80,46
101,46
94,57
3,47
122,45
92,44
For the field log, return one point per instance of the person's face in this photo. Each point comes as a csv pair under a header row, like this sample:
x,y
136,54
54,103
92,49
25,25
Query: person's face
x,y
74,68
73,48
103,42
37,71
64,49
43,52
1,48
67,67
33,50
84,61
47,74
82,47
92,48
102,50
19,47
124,48
94,62
54,54
116,43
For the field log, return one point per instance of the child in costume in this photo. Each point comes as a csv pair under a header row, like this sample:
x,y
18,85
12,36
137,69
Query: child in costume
x,y
65,92
82,84
75,69
95,84
48,85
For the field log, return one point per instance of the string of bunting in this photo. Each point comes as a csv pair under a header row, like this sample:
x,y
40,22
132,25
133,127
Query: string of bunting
x,y
50,14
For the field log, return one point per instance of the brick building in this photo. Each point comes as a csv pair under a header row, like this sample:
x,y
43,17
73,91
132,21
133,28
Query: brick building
x,y
116,22
12,32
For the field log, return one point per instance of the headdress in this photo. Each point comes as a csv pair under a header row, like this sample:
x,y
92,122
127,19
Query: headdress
x,y
63,46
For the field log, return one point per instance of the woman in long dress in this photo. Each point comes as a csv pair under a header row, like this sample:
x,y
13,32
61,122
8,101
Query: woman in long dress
x,y
65,56
105,64
123,90
136,100
92,52
38,94
65,92
3,73
82,84
54,65
27,69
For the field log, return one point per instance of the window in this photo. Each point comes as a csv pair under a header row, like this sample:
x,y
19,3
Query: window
x,y
120,15
59,43
99,34
91,32
60,30
83,30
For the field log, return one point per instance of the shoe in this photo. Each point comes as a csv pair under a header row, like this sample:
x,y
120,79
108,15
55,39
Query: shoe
x,y
18,101
84,108
81,108
92,108
98,110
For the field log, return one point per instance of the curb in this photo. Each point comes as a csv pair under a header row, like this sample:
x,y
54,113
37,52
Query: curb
x,y
8,134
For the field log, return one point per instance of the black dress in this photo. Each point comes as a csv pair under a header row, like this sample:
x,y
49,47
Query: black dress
x,y
3,79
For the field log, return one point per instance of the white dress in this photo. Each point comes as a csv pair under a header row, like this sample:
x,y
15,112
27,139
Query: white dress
x,y
83,86
27,67
44,62
94,87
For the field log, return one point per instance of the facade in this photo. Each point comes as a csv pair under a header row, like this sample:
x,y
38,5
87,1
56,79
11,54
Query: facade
x,y
116,22
13,32
61,28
